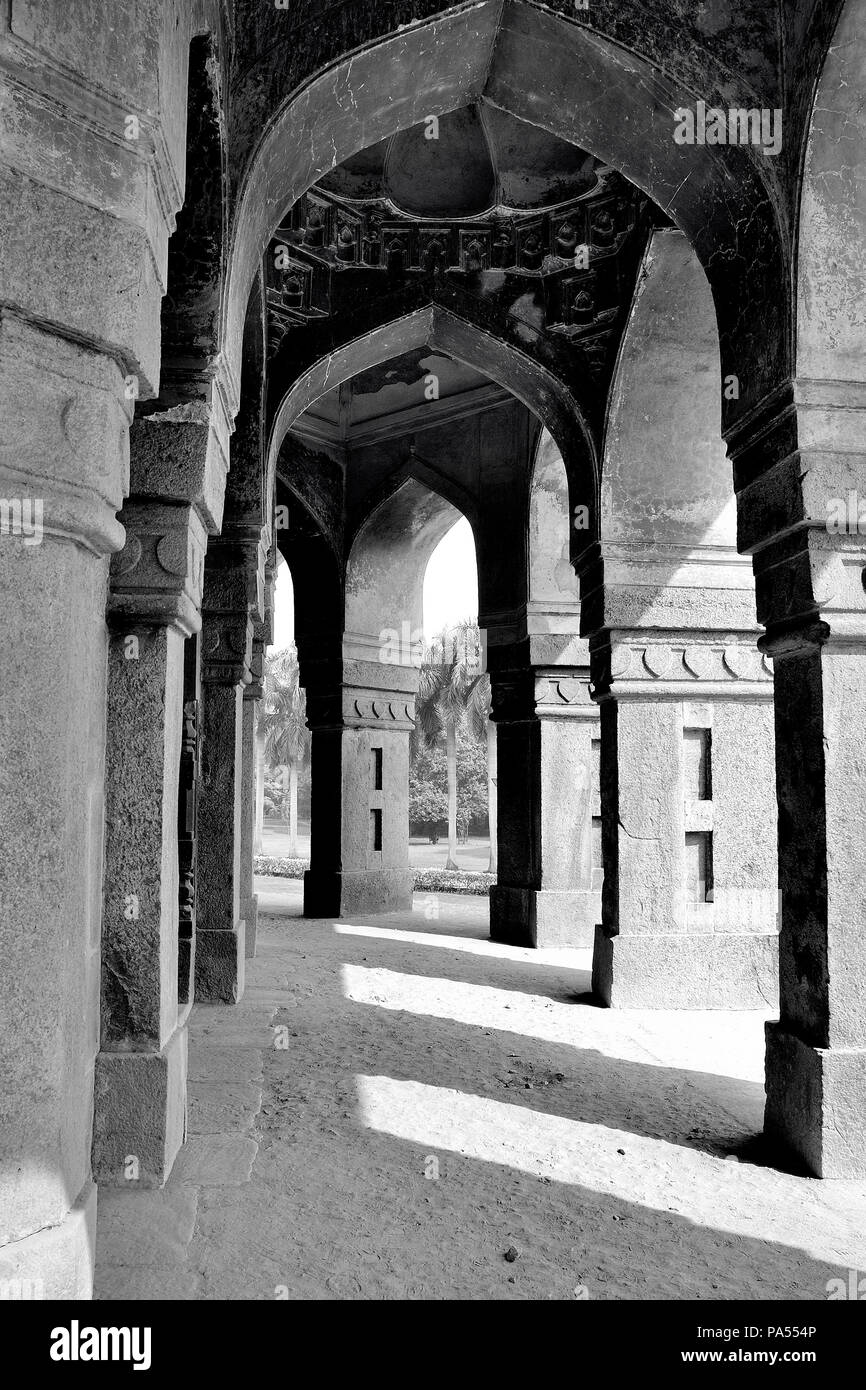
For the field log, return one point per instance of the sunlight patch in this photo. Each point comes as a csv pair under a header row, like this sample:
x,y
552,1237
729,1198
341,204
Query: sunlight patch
x,y
756,1203
567,958
485,1006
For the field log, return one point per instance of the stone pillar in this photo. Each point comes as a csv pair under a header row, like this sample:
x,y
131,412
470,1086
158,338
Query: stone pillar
x,y
249,778
546,724
228,608
187,814
360,724
66,398
140,1082
260,793
63,470
688,822
800,468
568,905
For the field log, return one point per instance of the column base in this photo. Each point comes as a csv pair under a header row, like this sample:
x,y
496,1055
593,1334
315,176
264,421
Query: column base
x,y
219,965
686,971
512,915
544,916
251,921
56,1262
360,893
139,1115
816,1104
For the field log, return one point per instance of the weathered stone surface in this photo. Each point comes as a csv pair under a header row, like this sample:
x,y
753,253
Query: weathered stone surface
x,y
139,1113
165,1284
816,1103
694,971
208,1062
215,1159
57,1262
146,1230
219,1107
248,900
219,964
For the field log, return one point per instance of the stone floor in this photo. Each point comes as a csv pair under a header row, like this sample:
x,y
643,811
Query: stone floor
x,y
397,1102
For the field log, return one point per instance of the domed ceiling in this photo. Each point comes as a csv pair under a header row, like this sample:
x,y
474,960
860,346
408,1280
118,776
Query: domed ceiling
x,y
476,204
465,164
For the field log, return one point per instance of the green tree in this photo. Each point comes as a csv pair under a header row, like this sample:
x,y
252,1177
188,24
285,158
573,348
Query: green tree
x,y
286,736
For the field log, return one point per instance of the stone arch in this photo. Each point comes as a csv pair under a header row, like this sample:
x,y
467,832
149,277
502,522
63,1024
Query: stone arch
x,y
553,585
247,500
665,476
527,61
549,398
316,574
386,567
831,240
668,606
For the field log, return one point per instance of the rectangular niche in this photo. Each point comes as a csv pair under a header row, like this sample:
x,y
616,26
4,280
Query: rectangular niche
x,y
376,830
699,866
597,853
697,764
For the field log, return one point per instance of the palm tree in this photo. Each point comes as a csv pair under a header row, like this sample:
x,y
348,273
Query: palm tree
x,y
283,725
484,729
450,678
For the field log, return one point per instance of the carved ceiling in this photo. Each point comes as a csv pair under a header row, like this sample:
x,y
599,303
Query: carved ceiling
x,y
561,255
397,399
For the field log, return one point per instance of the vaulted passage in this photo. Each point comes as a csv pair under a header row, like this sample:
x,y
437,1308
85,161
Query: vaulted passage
x,y
307,286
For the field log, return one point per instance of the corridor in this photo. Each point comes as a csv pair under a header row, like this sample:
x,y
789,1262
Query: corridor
x,y
400,1108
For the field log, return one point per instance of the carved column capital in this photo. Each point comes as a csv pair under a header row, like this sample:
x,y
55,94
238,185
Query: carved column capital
x,y
680,666
563,693
157,576
352,694
226,647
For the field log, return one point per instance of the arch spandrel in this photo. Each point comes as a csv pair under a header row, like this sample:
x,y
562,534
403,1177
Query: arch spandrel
x,y
666,479
831,245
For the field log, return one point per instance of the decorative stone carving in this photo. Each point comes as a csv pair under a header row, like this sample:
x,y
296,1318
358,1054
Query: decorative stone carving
x,y
226,647
675,667
741,662
366,710
564,694
698,661
157,577
658,660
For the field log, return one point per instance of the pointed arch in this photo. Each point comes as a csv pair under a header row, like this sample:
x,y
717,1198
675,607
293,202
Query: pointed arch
x,y
549,398
580,86
386,567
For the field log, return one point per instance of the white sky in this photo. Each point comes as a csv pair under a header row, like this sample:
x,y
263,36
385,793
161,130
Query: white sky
x,y
450,588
